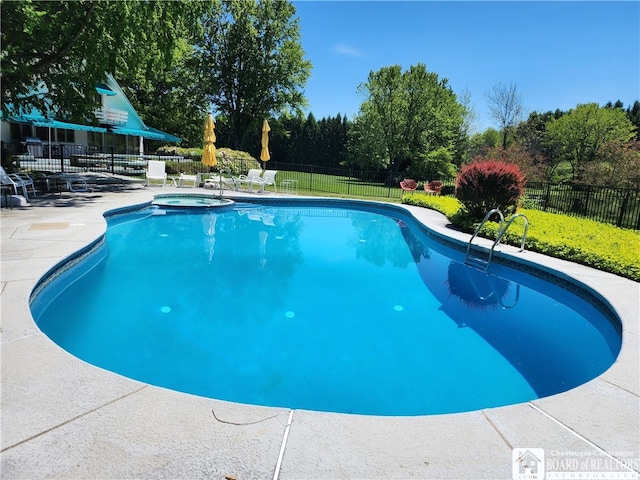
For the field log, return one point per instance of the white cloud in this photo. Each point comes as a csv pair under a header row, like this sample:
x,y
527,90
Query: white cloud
x,y
348,50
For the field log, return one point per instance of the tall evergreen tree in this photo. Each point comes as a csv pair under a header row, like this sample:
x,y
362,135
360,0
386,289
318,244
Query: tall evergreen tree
x,y
633,113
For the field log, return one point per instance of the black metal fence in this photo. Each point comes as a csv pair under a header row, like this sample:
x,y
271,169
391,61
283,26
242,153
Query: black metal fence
x,y
618,206
70,158
350,181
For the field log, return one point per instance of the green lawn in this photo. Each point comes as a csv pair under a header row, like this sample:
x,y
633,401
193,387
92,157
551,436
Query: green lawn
x,y
333,185
599,245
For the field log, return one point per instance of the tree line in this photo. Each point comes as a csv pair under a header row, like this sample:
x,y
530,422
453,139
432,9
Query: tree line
x,y
588,144
299,140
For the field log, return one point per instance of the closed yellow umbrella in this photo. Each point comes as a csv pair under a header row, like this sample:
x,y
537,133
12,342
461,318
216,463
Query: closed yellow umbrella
x,y
264,153
209,151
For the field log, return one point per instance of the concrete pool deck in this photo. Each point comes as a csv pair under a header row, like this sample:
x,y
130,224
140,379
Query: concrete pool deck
x,y
64,418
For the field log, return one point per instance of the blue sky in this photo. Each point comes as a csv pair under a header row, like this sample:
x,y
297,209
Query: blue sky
x,y
559,54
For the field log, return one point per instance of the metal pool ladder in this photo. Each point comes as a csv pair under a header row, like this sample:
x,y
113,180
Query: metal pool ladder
x,y
481,263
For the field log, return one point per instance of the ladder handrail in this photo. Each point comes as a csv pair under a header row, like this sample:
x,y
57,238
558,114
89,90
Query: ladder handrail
x,y
502,229
506,227
484,220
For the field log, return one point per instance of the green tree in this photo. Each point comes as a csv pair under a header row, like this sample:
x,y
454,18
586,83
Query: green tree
x,y
434,165
64,48
480,142
578,137
530,133
405,117
366,146
174,88
251,63
619,166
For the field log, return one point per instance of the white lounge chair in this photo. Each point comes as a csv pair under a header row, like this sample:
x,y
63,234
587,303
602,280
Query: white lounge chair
x,y
17,180
156,171
251,178
269,178
193,179
73,183
214,181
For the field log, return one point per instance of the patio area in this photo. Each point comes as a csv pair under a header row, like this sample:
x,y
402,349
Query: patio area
x,y
65,418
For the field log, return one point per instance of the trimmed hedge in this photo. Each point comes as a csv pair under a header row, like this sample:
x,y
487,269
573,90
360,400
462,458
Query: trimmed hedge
x,y
598,245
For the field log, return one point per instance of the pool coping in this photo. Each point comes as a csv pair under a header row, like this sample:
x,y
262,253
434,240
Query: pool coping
x,y
64,418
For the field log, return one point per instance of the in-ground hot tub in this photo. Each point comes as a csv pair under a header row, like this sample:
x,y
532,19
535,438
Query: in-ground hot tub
x,y
191,200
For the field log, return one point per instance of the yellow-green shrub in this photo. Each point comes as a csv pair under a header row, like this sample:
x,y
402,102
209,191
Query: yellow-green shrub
x,y
598,245
448,206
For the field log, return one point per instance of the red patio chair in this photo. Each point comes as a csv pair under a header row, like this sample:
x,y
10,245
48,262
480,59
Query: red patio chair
x,y
408,185
433,187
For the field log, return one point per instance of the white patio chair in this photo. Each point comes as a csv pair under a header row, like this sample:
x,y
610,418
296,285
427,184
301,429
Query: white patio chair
x,y
253,177
156,171
17,180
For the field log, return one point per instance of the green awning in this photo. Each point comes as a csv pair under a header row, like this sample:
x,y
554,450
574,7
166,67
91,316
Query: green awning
x,y
40,121
150,133
70,126
138,133
103,89
167,136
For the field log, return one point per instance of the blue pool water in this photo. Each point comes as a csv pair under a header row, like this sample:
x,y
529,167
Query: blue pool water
x,y
315,306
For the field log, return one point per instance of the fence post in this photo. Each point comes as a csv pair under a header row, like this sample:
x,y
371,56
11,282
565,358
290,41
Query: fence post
x,y
586,201
623,208
389,182
349,182
311,178
61,150
113,159
547,197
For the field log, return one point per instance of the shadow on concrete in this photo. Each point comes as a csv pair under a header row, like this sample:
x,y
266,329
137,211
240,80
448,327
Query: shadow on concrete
x,y
98,183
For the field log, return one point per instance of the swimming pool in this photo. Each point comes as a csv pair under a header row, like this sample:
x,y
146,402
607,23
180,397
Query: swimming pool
x,y
321,307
